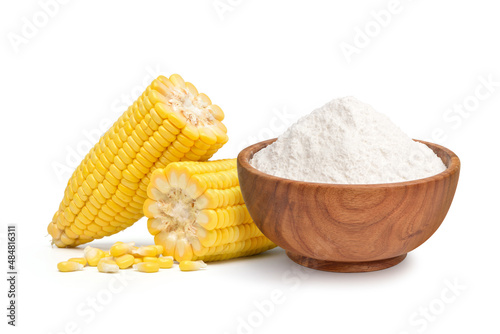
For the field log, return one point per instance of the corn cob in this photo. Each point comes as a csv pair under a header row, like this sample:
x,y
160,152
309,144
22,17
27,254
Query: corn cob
x,y
196,212
169,122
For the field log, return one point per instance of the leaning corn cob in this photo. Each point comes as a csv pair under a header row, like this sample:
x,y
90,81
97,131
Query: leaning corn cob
x,y
169,122
196,212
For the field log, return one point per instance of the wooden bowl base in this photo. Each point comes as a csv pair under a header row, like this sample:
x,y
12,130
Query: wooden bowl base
x,y
345,267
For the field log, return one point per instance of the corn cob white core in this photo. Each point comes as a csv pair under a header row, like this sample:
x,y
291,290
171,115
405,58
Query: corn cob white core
x,y
176,215
193,108
179,212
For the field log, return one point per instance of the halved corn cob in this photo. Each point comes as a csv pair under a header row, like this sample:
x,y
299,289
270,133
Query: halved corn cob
x,y
196,212
169,122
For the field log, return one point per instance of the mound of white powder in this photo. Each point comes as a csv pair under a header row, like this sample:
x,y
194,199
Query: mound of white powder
x,y
347,142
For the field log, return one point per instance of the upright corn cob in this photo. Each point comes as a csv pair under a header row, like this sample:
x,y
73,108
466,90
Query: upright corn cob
x,y
196,212
169,122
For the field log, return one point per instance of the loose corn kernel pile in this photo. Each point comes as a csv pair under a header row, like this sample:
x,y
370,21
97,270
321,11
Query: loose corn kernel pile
x,y
196,212
169,122
122,255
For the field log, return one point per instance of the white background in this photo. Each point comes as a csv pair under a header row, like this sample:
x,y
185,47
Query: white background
x,y
257,60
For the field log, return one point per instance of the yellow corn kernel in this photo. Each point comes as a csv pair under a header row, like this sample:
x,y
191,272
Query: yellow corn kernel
x,y
68,266
166,262
192,265
150,259
137,260
171,121
159,249
196,212
93,255
80,260
125,261
106,265
147,267
147,251
120,248
134,251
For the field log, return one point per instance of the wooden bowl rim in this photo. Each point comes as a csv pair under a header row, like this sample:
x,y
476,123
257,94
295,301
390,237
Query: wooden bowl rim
x,y
246,154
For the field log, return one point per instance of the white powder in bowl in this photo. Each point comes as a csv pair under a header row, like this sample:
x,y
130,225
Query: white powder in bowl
x,y
347,142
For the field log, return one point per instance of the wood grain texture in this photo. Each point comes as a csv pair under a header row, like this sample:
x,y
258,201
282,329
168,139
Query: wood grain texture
x,y
347,223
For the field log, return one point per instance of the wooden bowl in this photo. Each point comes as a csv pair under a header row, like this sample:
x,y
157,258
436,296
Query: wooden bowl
x,y
345,227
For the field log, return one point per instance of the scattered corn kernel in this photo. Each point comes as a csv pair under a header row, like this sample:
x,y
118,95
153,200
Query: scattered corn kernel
x,y
120,248
166,262
148,251
144,259
125,261
147,267
68,266
107,266
93,255
134,251
159,249
80,260
192,265
150,259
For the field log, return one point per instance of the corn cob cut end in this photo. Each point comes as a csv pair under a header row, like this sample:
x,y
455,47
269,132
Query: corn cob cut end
x,y
196,212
